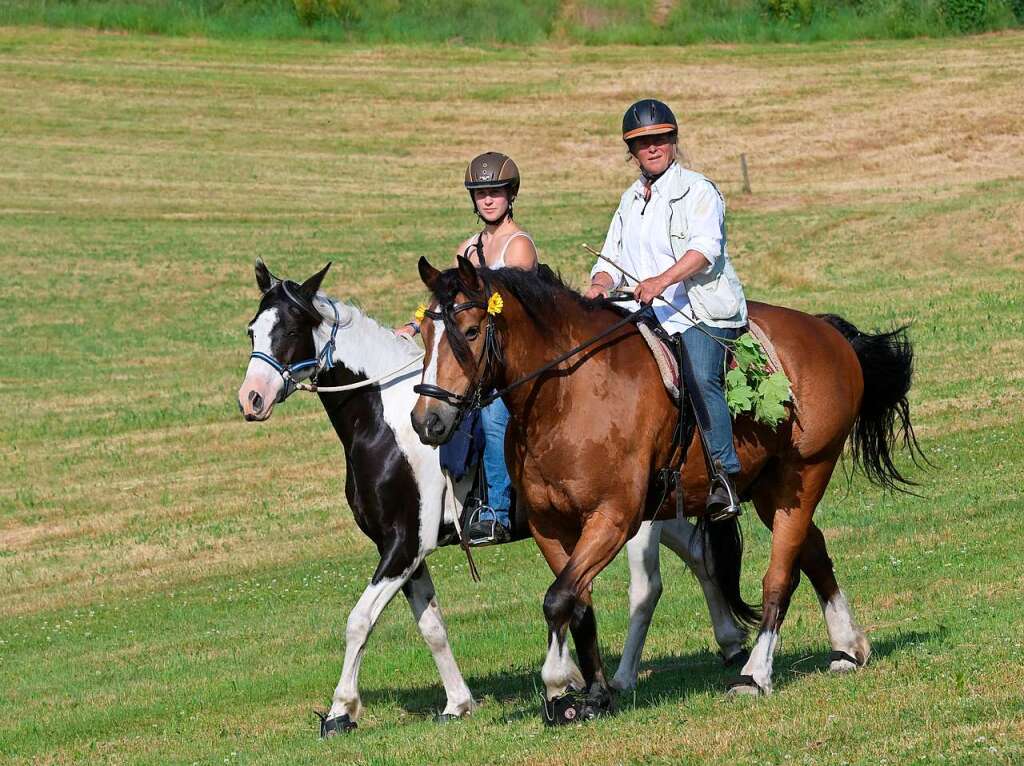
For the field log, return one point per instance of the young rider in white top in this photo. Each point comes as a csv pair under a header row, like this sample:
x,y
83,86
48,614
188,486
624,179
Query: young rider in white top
x,y
493,183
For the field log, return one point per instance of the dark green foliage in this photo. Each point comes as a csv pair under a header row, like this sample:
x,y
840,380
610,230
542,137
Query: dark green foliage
x,y
517,22
965,15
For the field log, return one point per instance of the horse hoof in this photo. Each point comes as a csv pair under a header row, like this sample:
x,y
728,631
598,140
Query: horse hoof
x,y
443,718
739,659
744,686
841,662
576,707
332,727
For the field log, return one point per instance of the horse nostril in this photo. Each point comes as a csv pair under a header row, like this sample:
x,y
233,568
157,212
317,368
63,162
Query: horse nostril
x,y
256,400
434,425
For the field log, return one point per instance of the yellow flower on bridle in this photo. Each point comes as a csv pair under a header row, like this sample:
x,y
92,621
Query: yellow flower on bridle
x,y
421,312
495,304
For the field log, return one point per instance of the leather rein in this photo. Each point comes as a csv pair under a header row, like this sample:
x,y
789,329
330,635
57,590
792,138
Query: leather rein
x,y
492,356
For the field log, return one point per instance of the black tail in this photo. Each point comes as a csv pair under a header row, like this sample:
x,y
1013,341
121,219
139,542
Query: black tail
x,y
887,362
724,540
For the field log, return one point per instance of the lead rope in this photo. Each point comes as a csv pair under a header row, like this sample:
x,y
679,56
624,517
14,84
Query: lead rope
x,y
449,493
313,388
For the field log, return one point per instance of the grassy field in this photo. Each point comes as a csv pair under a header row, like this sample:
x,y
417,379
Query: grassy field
x,y
174,582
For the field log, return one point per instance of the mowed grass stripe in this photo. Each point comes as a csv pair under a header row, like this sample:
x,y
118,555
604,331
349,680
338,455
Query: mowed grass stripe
x,y
175,581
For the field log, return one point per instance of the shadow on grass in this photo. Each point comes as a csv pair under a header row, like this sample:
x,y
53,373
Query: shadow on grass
x,y
667,678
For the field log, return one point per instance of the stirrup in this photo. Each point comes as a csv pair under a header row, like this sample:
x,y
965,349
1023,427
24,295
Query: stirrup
x,y
493,538
721,508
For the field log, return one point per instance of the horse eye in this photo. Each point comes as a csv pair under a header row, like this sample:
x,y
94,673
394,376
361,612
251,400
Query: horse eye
x,y
472,332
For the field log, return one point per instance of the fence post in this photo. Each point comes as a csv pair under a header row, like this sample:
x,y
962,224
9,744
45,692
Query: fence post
x,y
746,176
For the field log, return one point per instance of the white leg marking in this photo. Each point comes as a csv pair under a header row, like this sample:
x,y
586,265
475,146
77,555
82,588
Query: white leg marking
x,y
760,663
677,535
559,671
427,614
644,591
361,620
844,633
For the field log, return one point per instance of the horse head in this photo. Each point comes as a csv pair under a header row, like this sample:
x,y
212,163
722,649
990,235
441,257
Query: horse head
x,y
462,344
283,344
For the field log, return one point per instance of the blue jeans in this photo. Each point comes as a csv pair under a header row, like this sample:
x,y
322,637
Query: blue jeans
x,y
708,360
494,418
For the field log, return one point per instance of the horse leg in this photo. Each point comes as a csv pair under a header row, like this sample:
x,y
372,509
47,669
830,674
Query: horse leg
x,y
559,672
678,535
568,601
850,646
346,704
419,591
786,506
644,592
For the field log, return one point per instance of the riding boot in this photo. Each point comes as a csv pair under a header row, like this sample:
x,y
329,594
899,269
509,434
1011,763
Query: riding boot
x,y
723,501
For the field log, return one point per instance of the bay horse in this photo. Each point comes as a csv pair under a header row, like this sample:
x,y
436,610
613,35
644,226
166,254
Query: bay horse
x,y
587,438
394,484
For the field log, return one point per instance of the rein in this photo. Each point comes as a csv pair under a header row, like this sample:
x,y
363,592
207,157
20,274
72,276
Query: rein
x,y
474,397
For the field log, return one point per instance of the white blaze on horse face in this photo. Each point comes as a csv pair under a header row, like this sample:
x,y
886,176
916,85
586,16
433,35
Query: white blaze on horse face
x,y
430,373
262,383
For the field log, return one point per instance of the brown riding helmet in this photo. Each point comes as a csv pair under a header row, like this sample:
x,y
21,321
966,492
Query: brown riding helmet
x,y
493,170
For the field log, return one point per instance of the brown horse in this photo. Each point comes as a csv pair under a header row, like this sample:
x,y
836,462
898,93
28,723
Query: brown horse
x,y
587,439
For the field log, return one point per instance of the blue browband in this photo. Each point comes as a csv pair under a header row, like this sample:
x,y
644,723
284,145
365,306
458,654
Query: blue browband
x,y
291,372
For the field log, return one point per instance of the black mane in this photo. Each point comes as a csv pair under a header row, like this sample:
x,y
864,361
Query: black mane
x,y
539,291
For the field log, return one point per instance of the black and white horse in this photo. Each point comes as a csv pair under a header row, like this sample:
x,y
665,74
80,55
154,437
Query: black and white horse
x,y
394,484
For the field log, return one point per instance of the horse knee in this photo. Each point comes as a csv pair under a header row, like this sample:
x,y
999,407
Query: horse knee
x,y
644,595
357,628
559,605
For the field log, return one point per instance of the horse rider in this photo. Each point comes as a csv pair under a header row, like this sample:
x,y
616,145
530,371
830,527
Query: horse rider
x,y
669,232
492,179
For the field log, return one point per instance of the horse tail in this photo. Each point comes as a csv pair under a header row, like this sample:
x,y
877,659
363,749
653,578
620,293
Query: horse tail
x,y
724,540
887,362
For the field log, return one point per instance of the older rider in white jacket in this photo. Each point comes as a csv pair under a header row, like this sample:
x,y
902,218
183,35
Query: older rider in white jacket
x,y
669,232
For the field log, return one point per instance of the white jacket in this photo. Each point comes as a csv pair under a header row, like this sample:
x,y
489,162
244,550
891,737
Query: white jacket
x,y
693,211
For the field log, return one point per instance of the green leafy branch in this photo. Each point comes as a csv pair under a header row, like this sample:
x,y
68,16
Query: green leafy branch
x,y
751,386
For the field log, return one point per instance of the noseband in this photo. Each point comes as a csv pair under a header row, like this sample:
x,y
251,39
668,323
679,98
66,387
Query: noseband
x,y
491,356
293,373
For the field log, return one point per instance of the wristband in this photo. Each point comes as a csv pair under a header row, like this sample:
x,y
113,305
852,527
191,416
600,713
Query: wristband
x,y
415,327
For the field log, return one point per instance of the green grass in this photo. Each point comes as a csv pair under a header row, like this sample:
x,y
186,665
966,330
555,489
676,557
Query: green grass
x,y
175,581
474,22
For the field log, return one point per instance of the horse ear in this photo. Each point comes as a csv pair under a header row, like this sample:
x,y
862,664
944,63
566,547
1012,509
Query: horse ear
x,y
311,285
468,273
428,273
264,279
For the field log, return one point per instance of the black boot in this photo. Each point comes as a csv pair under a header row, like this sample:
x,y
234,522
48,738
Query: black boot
x,y
723,500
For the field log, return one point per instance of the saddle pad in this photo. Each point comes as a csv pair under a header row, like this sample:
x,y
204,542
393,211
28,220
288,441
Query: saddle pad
x,y
669,367
667,364
769,349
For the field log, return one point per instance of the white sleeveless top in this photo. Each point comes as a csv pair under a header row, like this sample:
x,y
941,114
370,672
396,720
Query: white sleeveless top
x,y
500,263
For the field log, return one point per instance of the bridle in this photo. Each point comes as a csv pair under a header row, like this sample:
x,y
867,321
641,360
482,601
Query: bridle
x,y
490,357
295,372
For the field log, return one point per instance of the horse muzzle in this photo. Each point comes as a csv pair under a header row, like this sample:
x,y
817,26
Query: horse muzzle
x,y
435,425
256,399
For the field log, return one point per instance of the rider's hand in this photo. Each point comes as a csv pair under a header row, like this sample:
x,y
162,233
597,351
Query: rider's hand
x,y
596,291
649,289
408,330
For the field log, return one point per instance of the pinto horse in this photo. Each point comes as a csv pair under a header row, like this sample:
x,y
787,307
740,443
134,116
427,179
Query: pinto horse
x,y
394,484
587,438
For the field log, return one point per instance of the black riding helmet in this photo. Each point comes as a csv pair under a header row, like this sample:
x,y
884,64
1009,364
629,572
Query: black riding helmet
x,y
648,117
493,170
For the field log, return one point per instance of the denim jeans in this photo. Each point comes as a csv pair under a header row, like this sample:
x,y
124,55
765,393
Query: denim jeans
x,y
708,360
494,418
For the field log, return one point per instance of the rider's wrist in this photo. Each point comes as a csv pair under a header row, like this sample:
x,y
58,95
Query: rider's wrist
x,y
415,327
